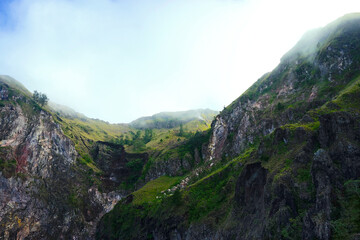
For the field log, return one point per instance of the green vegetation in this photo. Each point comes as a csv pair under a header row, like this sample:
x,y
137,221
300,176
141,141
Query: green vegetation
x,y
137,142
210,195
313,126
135,167
349,98
8,167
346,100
85,132
15,85
152,189
348,224
181,131
195,141
40,98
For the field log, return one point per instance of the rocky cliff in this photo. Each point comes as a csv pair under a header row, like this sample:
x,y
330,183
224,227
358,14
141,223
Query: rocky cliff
x,y
282,161
44,191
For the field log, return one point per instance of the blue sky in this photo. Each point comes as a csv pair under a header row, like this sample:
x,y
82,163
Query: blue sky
x,y
4,13
122,59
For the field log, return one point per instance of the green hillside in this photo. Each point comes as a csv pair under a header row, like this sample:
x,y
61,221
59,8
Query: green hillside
x,y
285,167
282,161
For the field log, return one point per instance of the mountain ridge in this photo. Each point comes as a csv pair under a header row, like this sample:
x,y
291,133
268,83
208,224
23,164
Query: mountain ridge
x,y
280,162
172,119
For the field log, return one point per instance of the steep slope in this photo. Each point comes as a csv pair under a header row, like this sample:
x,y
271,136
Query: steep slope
x,y
282,161
306,78
38,159
50,186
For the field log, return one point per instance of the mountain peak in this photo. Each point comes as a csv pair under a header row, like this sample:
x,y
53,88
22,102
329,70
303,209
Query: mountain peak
x,y
315,39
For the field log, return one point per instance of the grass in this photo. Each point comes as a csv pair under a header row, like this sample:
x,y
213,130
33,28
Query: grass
x,y
348,224
91,129
7,167
313,126
211,193
84,133
148,193
349,98
15,85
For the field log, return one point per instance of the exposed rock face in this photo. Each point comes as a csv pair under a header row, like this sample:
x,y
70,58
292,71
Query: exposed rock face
x,y
44,155
118,166
40,181
179,159
339,140
172,166
249,197
265,205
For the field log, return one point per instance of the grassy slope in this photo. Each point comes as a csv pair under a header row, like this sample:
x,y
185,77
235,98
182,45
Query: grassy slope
x,y
153,189
84,132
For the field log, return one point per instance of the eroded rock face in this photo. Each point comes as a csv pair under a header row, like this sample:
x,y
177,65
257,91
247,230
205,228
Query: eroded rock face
x,y
249,200
44,157
218,138
172,166
336,162
334,155
250,186
119,167
40,184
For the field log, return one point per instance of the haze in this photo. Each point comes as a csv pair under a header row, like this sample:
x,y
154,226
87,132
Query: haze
x,y
120,60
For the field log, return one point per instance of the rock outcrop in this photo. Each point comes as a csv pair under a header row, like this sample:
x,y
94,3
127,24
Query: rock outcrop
x,y
43,190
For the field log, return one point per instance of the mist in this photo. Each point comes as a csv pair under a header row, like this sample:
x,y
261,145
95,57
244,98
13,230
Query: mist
x,y
120,60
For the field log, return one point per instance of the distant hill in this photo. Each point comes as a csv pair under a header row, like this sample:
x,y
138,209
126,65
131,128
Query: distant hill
x,y
174,119
66,111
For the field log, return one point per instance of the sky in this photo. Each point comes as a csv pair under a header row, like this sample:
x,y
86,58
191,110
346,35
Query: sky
x,y
118,60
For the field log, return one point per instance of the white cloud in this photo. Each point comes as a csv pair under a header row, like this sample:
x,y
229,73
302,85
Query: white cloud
x,y
119,60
